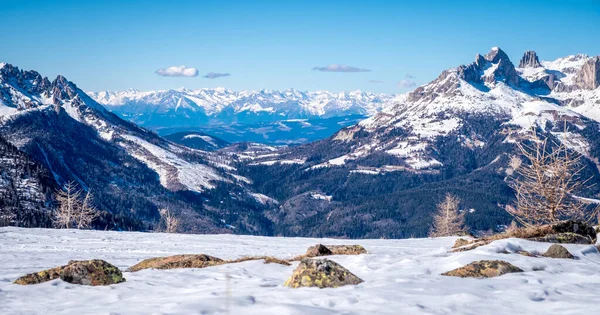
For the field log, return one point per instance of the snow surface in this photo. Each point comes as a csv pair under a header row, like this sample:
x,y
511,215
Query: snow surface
x,y
401,277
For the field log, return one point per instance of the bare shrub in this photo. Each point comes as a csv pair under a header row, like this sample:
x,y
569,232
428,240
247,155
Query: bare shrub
x,y
169,221
73,211
448,220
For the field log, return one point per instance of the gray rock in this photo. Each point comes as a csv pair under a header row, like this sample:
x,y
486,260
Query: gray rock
x,y
321,273
588,76
529,60
558,251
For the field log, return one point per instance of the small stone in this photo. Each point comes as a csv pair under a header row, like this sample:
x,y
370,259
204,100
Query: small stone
x,y
321,273
318,250
483,269
91,272
177,261
558,251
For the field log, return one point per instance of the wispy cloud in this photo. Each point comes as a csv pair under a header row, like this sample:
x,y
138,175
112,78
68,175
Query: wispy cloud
x,y
215,75
406,84
409,76
178,71
340,68
375,81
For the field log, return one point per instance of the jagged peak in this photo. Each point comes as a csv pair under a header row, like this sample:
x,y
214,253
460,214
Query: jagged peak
x,y
496,54
530,60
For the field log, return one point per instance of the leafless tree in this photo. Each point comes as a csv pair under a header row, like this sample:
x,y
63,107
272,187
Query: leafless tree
x,y
73,211
448,220
68,202
545,187
170,221
86,212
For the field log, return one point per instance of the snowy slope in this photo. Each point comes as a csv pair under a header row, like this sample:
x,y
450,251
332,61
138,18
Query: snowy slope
x,y
401,277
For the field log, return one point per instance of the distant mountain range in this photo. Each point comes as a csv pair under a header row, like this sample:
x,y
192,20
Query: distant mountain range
x,y
276,117
381,177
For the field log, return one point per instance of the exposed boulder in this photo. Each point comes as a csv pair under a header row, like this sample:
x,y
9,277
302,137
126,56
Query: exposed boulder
x,y
483,269
346,249
558,251
588,77
318,250
177,261
39,277
563,238
576,227
87,272
529,60
91,272
460,243
321,273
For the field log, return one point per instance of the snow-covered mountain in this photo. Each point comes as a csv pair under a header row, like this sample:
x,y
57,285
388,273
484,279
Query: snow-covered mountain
x,y
245,115
130,170
456,134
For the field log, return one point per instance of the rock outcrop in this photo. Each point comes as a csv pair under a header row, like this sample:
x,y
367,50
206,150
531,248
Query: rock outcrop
x,y
530,60
91,272
588,76
483,269
318,250
177,261
87,272
321,273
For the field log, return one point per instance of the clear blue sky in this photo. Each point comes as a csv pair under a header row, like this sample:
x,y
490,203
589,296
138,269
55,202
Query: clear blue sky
x,y
116,45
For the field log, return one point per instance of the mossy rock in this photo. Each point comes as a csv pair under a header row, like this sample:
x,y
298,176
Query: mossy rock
x,y
483,269
318,250
563,238
91,272
346,249
177,261
576,227
558,251
321,273
86,272
39,277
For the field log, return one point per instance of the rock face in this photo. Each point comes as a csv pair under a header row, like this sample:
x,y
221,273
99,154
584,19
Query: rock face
x,y
483,269
589,76
91,272
318,250
558,251
87,272
177,261
321,273
460,242
39,277
529,60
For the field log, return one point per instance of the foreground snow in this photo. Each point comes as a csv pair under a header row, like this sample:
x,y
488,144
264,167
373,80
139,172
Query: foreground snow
x,y
401,277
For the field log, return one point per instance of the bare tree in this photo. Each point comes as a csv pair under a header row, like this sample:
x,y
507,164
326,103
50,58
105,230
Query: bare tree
x,y
169,220
545,186
73,211
448,220
86,212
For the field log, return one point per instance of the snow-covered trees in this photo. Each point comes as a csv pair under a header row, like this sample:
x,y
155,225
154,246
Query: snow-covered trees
x,y
448,220
74,211
545,187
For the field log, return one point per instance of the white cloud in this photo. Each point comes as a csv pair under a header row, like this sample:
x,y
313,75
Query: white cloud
x,y
178,71
375,81
340,68
214,75
406,84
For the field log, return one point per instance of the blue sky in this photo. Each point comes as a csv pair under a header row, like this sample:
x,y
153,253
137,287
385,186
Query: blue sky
x,y
114,45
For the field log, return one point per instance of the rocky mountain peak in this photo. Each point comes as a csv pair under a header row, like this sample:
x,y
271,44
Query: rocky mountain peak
x,y
529,60
496,54
588,77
